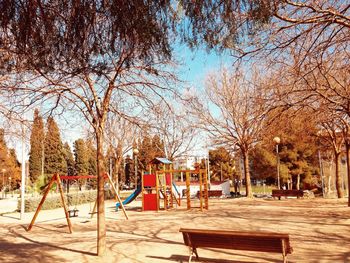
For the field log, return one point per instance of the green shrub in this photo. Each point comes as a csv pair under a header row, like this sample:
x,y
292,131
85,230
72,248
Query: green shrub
x,y
54,200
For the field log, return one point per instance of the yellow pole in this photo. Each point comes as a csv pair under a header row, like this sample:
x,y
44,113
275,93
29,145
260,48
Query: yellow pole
x,y
200,190
188,190
53,179
171,190
157,191
206,195
58,181
142,191
116,195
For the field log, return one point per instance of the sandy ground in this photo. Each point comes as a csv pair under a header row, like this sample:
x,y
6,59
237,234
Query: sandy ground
x,y
318,228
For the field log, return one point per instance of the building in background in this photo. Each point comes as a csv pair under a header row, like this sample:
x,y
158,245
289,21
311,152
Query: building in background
x,y
188,161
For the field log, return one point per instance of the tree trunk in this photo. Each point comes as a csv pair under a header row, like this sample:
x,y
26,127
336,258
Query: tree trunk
x,y
248,185
298,182
338,179
101,221
347,145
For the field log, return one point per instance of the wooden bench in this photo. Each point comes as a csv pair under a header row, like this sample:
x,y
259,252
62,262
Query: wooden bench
x,y
286,193
212,193
237,240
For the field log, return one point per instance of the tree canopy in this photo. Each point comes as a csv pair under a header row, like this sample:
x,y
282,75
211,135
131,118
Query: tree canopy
x,y
72,34
51,34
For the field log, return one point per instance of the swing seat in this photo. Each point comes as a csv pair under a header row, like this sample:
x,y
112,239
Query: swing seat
x,y
73,213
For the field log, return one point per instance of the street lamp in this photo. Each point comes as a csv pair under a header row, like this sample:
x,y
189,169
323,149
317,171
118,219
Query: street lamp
x,y
10,184
3,181
135,152
277,140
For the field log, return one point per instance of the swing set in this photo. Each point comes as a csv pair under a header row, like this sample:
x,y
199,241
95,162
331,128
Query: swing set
x,y
56,178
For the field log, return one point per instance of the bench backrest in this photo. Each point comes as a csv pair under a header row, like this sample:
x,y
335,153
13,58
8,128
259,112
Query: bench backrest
x,y
212,193
255,241
288,192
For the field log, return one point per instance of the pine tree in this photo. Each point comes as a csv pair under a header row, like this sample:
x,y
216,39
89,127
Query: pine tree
x,y
36,154
221,163
81,157
146,153
54,155
3,157
68,156
263,163
9,165
129,170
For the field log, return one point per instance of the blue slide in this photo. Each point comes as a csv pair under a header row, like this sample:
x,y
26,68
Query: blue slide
x,y
130,197
177,191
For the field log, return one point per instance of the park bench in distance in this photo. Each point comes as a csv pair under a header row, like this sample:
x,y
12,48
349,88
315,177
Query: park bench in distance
x,y
212,193
286,193
237,240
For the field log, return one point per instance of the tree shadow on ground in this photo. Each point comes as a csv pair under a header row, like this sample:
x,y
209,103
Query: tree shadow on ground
x,y
9,215
20,252
141,236
56,230
40,245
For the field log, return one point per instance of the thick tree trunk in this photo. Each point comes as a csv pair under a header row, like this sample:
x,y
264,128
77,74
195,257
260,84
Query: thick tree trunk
x,y
101,221
248,186
347,145
338,179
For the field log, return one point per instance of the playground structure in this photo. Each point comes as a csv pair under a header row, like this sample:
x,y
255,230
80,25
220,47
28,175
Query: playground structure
x,y
155,185
159,183
56,178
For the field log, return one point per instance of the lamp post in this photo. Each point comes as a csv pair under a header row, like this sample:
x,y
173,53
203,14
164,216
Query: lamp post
x,y
135,152
10,184
3,181
277,140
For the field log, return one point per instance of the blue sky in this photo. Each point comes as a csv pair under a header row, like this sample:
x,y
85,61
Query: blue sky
x,y
195,65
198,63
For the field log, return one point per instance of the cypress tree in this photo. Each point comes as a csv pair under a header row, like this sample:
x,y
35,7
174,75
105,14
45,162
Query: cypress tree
x,y
81,157
146,152
129,170
68,156
36,154
54,155
92,153
110,161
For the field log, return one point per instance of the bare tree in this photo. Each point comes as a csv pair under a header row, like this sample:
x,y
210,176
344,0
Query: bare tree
x,y
177,133
233,112
331,132
120,136
345,126
126,86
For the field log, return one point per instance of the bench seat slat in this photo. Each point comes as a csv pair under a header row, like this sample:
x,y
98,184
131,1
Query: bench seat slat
x,y
240,243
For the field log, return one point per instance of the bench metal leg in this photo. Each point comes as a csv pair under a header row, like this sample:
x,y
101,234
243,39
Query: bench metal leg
x,y
284,252
193,251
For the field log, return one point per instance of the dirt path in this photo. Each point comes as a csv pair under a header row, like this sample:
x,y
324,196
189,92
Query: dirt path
x,y
319,232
